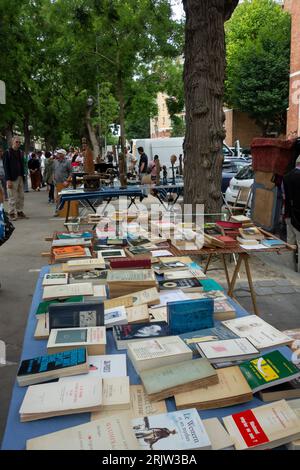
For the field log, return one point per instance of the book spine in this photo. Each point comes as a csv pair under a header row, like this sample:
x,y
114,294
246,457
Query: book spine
x,y
139,263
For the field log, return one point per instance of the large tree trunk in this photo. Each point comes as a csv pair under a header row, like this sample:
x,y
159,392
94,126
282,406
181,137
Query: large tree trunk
x,y
204,74
27,134
92,135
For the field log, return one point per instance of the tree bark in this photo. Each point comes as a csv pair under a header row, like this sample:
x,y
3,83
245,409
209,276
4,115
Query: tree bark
x,y
27,134
204,74
92,135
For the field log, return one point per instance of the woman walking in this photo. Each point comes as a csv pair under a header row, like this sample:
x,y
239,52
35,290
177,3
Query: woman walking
x,y
35,173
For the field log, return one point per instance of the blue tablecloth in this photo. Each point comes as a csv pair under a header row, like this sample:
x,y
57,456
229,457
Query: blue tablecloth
x,y
104,193
17,433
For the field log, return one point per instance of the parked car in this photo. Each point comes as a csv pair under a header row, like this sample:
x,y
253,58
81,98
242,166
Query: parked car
x,y
231,167
243,179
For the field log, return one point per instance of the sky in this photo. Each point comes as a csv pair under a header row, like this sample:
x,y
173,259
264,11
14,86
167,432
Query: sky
x,y
178,9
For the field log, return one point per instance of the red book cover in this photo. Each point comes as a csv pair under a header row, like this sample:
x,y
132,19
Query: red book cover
x,y
250,429
117,263
229,225
228,241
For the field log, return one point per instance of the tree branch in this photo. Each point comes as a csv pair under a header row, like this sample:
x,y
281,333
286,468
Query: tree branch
x,y
229,7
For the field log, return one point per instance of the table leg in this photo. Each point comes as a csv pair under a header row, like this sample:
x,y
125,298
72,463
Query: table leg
x,y
207,263
226,270
68,211
235,275
252,291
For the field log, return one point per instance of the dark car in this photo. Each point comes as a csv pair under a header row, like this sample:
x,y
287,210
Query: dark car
x,y
230,168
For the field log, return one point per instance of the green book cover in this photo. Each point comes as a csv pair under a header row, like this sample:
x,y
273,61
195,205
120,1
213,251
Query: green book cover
x,y
71,336
267,370
210,284
44,306
165,377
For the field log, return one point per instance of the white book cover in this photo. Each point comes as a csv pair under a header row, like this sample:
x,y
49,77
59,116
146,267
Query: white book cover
x,y
178,430
55,279
94,263
263,427
60,396
186,274
100,291
69,290
261,334
226,348
77,336
160,347
219,437
160,253
107,366
109,433
170,296
115,316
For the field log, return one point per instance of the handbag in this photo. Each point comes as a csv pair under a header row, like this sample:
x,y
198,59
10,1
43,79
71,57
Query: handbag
x,y
6,227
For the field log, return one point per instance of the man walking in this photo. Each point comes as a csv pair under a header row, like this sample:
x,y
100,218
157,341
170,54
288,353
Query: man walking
x,y
143,163
291,184
62,174
13,164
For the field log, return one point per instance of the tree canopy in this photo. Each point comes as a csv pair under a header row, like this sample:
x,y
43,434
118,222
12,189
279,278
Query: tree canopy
x,y
258,58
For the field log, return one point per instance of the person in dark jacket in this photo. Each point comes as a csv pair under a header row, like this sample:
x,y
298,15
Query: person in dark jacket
x,y
291,183
13,164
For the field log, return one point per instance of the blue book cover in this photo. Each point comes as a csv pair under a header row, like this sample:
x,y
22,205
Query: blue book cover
x,y
52,362
190,315
272,243
208,334
75,315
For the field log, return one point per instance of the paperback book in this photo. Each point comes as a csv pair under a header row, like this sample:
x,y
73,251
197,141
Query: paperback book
x,y
208,334
272,368
52,366
63,339
171,431
106,366
148,354
69,290
227,350
43,307
73,315
61,398
186,285
127,334
164,382
261,334
55,279
109,433
264,427
115,316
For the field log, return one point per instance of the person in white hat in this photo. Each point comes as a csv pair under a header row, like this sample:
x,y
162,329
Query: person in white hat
x,y
62,174
291,183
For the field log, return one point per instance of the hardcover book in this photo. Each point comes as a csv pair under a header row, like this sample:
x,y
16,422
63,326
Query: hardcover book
x,y
70,290
261,334
74,315
208,334
130,263
232,389
190,315
171,431
148,354
227,350
52,366
109,433
126,334
267,370
94,338
61,398
164,382
55,279
263,427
